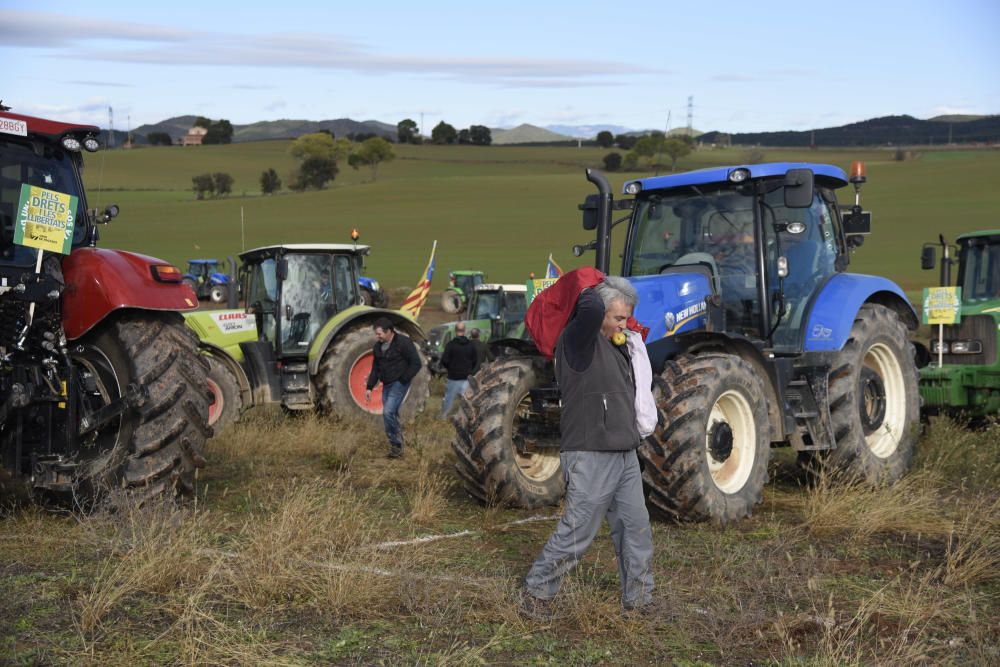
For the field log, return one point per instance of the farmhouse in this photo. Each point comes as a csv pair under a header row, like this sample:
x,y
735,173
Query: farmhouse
x,y
194,137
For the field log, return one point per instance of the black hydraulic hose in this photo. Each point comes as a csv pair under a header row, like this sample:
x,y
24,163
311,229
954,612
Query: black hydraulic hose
x,y
602,261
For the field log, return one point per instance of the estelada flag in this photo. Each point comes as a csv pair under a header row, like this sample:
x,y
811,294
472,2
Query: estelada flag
x,y
415,301
553,270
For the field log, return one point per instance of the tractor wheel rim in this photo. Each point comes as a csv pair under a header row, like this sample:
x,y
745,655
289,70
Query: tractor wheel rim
x,y
218,404
537,466
731,441
886,433
358,378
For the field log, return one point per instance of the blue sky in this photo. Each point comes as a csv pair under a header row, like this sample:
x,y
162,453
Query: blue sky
x,y
750,66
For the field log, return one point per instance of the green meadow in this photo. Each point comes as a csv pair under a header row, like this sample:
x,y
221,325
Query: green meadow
x,y
501,209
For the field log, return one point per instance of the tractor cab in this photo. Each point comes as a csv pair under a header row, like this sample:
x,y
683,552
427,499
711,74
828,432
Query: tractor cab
x,y
294,289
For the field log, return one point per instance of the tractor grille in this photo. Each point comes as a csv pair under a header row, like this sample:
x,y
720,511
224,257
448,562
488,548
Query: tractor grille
x,y
975,327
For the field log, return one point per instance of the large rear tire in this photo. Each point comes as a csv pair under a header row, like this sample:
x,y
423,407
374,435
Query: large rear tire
x,y
152,450
451,301
344,370
225,399
707,461
875,399
505,458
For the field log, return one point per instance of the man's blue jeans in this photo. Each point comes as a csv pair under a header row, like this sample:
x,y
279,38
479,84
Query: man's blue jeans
x,y
452,389
392,397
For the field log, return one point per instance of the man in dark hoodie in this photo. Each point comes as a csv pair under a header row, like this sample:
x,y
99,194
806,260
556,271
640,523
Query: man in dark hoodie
x,y
460,359
395,365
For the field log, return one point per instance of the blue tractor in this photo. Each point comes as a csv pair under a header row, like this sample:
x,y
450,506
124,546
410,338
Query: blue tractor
x,y
758,338
372,293
208,280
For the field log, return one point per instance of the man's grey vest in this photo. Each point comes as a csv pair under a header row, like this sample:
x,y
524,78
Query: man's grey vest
x,y
598,404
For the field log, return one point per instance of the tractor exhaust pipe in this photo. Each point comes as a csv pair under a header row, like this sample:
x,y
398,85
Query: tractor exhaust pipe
x,y
602,261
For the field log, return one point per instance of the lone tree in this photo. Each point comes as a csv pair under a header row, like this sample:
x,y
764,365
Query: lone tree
x,y
202,185
219,132
443,133
406,131
319,153
480,135
223,183
270,182
613,161
605,139
676,148
372,153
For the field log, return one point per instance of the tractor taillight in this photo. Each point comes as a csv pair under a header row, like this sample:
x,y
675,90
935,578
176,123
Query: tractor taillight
x,y
166,273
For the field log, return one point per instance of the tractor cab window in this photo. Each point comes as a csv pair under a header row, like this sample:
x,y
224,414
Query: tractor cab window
x,y
262,295
811,256
486,305
467,283
52,170
980,279
345,281
309,292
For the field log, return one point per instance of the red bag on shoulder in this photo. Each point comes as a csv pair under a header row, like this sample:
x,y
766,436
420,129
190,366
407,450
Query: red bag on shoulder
x,y
551,309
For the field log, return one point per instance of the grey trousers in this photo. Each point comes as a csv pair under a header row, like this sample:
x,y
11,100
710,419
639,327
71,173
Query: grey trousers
x,y
599,484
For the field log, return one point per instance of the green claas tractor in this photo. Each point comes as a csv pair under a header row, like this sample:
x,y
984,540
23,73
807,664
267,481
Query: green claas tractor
x,y
496,310
461,284
304,340
967,382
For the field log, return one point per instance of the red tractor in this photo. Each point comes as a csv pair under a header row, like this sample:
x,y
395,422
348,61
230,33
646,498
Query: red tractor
x,y
101,384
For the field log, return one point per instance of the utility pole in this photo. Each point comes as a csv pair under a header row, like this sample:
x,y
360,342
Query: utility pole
x,y
690,126
111,127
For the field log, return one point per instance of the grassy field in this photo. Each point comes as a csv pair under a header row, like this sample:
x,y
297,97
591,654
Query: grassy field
x,y
302,548
501,209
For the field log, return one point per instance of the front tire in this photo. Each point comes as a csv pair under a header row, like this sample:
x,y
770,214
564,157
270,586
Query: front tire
x,y
218,293
507,454
707,460
874,398
226,400
451,301
154,449
344,370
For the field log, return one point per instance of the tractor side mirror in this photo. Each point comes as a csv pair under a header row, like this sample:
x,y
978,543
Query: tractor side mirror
x,y
799,184
590,207
857,222
928,258
282,269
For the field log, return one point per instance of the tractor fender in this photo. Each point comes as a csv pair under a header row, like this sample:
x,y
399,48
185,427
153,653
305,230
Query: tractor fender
x,y
832,314
100,281
233,365
223,329
365,316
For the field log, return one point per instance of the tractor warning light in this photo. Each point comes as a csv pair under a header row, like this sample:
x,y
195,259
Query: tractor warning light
x,y
858,172
355,235
166,273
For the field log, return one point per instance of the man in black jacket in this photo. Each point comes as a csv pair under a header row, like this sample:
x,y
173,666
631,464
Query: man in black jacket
x,y
483,353
395,365
459,358
599,438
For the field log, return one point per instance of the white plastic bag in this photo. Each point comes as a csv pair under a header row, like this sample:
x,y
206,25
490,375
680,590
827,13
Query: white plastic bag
x,y
645,405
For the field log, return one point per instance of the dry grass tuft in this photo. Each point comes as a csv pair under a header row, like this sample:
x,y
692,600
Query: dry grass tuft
x,y
427,500
973,551
843,504
964,458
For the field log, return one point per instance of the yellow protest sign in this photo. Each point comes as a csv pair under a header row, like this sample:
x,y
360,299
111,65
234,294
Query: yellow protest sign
x,y
45,219
942,305
536,285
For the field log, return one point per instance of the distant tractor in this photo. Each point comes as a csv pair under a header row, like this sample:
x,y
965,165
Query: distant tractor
x,y
101,384
496,310
461,284
757,337
208,280
967,384
304,340
372,293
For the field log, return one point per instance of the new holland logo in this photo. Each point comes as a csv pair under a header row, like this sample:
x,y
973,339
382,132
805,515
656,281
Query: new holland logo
x,y
675,320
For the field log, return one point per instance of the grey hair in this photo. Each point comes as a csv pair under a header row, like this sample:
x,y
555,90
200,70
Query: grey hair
x,y
616,288
474,333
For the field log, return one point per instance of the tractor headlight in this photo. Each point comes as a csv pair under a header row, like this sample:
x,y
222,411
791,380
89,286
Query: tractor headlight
x,y
71,144
739,175
375,286
92,144
633,188
938,347
966,347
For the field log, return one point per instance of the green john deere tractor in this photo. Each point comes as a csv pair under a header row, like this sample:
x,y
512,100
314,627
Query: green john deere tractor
x,y
496,310
461,284
305,339
967,381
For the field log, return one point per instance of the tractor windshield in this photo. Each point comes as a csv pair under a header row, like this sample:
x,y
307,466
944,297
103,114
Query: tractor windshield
x,y
980,277
467,282
51,168
487,305
316,287
711,230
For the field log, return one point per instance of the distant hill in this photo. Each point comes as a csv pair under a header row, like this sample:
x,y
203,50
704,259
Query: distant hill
x,y
888,130
527,134
955,118
178,126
